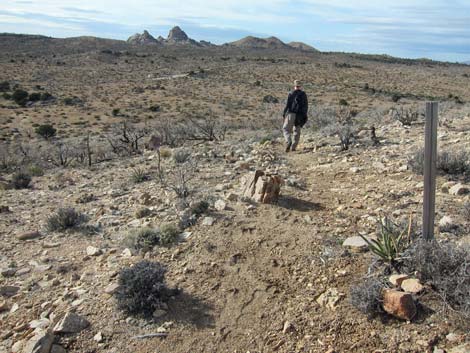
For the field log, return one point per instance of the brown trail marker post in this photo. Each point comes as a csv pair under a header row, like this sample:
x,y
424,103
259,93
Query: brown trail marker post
x,y
430,158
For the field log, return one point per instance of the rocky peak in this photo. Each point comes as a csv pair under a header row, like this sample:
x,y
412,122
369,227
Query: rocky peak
x,y
177,35
144,38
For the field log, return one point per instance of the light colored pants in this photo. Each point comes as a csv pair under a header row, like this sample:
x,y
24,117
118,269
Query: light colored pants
x,y
288,128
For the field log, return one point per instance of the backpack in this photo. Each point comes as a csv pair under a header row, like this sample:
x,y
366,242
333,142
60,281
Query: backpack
x,y
296,106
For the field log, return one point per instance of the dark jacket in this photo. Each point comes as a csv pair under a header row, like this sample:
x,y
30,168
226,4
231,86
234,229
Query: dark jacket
x,y
302,100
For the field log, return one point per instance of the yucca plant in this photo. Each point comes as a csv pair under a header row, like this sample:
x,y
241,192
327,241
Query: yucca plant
x,y
391,242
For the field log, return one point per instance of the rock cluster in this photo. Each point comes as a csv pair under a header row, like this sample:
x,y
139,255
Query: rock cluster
x,y
261,187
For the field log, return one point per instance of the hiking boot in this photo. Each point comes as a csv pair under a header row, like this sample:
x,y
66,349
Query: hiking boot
x,y
288,147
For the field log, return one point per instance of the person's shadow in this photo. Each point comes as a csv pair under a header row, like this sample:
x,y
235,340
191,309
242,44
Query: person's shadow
x,y
293,203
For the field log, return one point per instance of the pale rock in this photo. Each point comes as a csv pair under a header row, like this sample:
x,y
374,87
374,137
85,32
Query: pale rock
x,y
14,308
98,337
447,185
447,222
355,169
71,323
452,337
112,288
288,327
399,304
356,243
92,251
411,285
8,272
126,252
17,346
41,342
459,189
41,324
463,348
330,298
208,221
220,205
231,197
396,280
261,187
28,235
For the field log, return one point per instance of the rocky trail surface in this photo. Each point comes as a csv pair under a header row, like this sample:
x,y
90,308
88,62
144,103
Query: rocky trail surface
x,y
254,277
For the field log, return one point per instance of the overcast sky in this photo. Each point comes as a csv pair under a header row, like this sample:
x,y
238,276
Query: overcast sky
x,y
437,29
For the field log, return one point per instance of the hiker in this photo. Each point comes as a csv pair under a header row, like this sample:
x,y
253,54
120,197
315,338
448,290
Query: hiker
x,y
295,116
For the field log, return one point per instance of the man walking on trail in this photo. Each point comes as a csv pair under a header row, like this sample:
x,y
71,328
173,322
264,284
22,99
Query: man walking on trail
x,y
295,116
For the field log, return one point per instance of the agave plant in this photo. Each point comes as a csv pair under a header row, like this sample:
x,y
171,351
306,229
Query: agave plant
x,y
391,242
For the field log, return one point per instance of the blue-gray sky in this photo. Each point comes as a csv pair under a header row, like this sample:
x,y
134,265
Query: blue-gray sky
x,y
436,29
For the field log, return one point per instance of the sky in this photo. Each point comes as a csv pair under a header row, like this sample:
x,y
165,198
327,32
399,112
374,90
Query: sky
x,y
435,29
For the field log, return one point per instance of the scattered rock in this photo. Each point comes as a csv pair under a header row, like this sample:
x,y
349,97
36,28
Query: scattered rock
x,y
28,235
411,285
41,342
356,243
112,288
396,280
92,251
459,189
288,327
463,348
71,323
220,205
8,272
98,337
232,197
447,185
261,187
8,291
330,298
208,221
399,304
447,223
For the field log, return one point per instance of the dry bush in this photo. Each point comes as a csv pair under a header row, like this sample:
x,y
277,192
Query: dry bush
x,y
142,289
366,296
65,218
125,138
450,163
21,180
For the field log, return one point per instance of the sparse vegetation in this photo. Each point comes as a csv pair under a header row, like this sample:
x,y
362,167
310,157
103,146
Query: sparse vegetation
x,y
139,175
448,163
47,131
20,97
199,208
366,296
143,289
168,234
21,180
65,218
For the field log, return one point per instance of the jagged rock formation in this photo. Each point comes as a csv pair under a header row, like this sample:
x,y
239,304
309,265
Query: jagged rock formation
x,y
142,39
177,35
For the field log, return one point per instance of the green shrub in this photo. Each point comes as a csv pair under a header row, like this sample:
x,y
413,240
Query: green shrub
x,y
139,175
115,111
396,97
45,96
46,131
6,96
143,212
34,97
65,218
4,86
199,208
168,234
21,180
142,289
154,108
181,155
343,102
142,239
20,97
36,171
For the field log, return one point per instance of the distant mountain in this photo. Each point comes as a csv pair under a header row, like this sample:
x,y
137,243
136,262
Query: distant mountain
x,y
466,62
143,39
251,42
176,36
301,46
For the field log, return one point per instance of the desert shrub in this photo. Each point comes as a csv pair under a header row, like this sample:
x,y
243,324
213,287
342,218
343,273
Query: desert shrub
x,y
154,108
343,102
21,180
6,96
168,234
142,239
139,175
270,99
406,116
181,156
396,97
366,296
446,267
142,289
451,163
199,208
4,86
466,211
47,131
34,97
35,170
165,153
143,212
45,96
65,218
115,111
20,97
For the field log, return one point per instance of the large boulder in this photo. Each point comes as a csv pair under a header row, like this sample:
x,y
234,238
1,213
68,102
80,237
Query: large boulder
x,y
71,323
261,187
41,342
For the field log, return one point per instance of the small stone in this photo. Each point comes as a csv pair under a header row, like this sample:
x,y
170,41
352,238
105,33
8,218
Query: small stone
x,y
232,197
399,304
438,350
92,251
330,298
8,272
42,323
208,221
41,342
56,348
14,308
98,337
220,205
288,327
447,223
112,288
411,285
356,243
28,235
126,252
459,189
9,291
397,279
452,337
71,323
